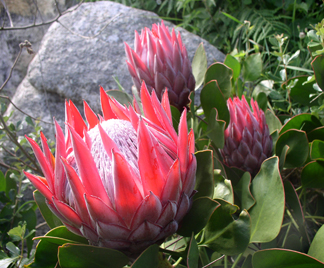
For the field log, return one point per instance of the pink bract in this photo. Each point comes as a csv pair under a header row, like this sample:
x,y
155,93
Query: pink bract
x,y
124,181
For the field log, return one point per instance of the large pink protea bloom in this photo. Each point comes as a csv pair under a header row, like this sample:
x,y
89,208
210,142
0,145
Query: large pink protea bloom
x,y
161,60
247,139
124,182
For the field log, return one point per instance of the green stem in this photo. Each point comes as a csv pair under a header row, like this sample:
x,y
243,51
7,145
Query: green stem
x,y
225,262
163,261
286,235
237,260
315,217
177,262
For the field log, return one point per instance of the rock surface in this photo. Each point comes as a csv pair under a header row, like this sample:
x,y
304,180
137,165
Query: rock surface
x,y
83,50
21,13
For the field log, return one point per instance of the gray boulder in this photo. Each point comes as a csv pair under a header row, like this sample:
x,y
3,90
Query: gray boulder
x,y
19,14
83,50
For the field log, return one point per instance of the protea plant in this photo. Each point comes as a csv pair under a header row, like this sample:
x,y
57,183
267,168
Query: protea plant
x,y
161,60
247,139
124,181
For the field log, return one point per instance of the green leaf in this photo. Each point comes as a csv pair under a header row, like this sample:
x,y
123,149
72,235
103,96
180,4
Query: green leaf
x,y
247,262
318,66
121,96
15,251
223,75
175,117
312,175
10,184
252,67
234,64
242,190
212,97
297,142
47,214
273,121
317,150
17,233
215,129
316,134
197,217
2,182
223,189
306,122
46,255
295,68
193,253
148,259
296,211
85,256
262,101
7,261
226,235
281,258
204,174
231,17
268,211
300,91
316,248
199,65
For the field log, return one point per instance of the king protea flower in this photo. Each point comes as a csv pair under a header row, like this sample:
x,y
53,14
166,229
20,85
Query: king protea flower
x,y
161,60
247,139
123,182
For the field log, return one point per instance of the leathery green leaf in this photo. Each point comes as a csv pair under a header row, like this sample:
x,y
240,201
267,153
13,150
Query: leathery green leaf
x,y
223,188
193,253
215,129
226,235
148,259
223,75
316,248
197,217
234,64
297,212
273,121
199,65
252,67
306,122
46,255
204,174
318,66
212,97
51,220
268,211
281,258
312,175
242,190
297,142
84,256
121,96
317,150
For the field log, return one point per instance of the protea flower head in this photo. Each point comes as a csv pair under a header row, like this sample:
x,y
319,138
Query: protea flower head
x,y
123,182
161,60
247,139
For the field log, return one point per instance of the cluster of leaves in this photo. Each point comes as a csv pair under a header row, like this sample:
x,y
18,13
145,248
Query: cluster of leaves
x,y
231,23
18,216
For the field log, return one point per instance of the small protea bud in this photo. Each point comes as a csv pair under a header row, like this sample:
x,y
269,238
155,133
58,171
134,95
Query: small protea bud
x,y
161,60
247,139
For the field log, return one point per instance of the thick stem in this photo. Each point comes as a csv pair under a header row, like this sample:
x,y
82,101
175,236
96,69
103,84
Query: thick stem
x,y
163,261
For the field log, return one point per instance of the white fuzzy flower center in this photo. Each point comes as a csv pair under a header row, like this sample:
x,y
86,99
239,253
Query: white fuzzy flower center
x,y
125,137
